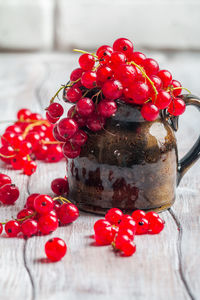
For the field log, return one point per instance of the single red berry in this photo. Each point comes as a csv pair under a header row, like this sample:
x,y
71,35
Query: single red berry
x,y
157,83
88,79
56,134
166,77
72,94
112,89
79,138
177,107
104,57
55,110
104,73
35,117
29,227
14,129
139,92
176,84
43,204
54,153
76,74
149,111
24,213
23,114
138,57
55,249
151,66
100,224
162,100
9,193
126,74
85,107
127,231
95,122
116,59
70,150
29,167
142,226
86,62
138,214
60,186
104,48
7,153
12,228
16,141
41,152
67,127
25,148
47,223
105,236
34,139
156,225
125,245
127,223
107,108
50,118
30,201
151,215
114,216
1,228
4,179
67,213
7,138
123,45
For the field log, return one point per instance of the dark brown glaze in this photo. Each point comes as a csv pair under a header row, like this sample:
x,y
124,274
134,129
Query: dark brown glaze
x,y
131,164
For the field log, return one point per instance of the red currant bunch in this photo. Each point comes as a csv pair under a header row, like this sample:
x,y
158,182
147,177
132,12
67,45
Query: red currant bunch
x,y
30,138
111,74
119,229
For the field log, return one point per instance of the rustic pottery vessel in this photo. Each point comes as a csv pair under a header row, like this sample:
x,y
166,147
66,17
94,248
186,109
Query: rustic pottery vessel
x,y
132,164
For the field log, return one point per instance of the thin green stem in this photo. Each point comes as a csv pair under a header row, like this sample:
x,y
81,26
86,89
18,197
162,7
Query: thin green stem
x,y
85,52
62,199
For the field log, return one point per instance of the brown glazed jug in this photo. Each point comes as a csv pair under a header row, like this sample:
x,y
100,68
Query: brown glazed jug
x,y
131,163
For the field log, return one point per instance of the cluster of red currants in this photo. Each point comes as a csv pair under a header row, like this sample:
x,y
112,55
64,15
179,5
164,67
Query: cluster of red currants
x,y
9,192
41,215
29,138
119,230
112,73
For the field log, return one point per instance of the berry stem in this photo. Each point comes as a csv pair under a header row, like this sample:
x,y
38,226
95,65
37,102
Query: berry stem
x,y
7,156
178,88
85,52
30,126
62,199
147,77
51,142
21,220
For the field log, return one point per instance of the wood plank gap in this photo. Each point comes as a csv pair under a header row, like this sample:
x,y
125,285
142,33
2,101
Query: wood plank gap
x,y
179,252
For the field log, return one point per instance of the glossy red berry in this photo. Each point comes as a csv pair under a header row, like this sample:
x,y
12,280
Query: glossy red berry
x,y
149,111
41,152
112,89
72,94
128,223
54,153
166,77
139,92
162,100
177,107
67,127
35,117
7,151
127,231
4,179
29,167
50,118
157,83
114,216
71,150
116,59
86,62
85,107
34,139
126,74
104,48
9,193
12,228
29,227
142,226
104,57
88,79
14,128
151,66
55,110
23,114
125,245
60,186
95,122
55,249
76,74
100,224
7,138
123,45
79,138
138,214
138,57
30,201
105,236
56,134
1,228
104,73
176,84
67,213
47,223
156,225
24,213
43,204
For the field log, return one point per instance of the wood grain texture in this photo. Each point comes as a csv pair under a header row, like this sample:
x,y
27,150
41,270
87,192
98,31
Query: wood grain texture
x,y
165,266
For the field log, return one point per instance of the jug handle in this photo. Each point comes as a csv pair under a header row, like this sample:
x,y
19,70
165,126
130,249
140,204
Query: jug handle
x,y
194,153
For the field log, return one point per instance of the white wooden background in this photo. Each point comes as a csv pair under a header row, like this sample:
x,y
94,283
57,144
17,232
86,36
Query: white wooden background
x,y
165,266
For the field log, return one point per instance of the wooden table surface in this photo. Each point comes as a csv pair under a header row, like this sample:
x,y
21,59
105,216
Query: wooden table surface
x,y
165,266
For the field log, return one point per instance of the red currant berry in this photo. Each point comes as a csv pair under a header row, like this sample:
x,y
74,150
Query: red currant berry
x,y
103,73
86,62
112,89
4,179
29,227
125,245
139,92
35,117
76,74
23,114
55,110
107,108
116,59
104,57
51,119
54,153
123,45
176,84
85,107
56,134
149,111
79,138
127,224
95,122
105,236
12,228
163,100
127,231
67,213
24,213
177,107
30,201
88,79
67,128
41,152
7,151
138,57
9,193
142,226
70,150
138,214
14,129
55,249
151,66
104,48
60,186
166,77
72,94
100,224
156,225
25,148
34,139
29,167
114,216
1,228
126,74
7,138
47,224
43,204
157,83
